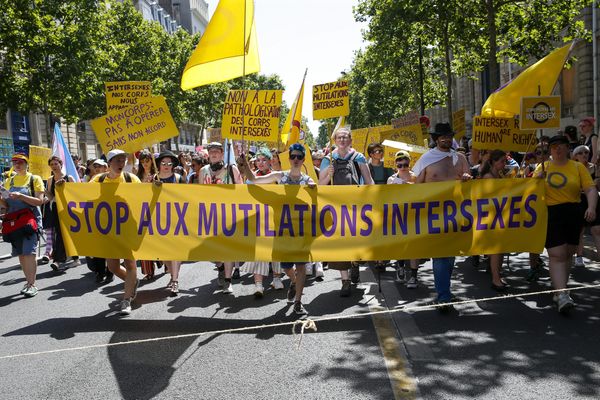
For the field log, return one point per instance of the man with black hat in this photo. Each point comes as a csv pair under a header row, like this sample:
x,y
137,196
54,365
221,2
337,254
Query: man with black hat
x,y
218,172
440,164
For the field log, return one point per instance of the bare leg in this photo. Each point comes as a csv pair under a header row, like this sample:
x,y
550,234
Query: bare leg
x,y
29,266
174,267
127,273
580,246
495,265
560,264
300,279
228,269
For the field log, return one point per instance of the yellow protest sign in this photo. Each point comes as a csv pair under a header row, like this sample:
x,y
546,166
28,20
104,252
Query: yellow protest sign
x,y
307,166
359,139
491,133
411,118
390,147
459,123
292,223
251,115
331,100
409,134
38,161
214,135
540,112
120,95
136,127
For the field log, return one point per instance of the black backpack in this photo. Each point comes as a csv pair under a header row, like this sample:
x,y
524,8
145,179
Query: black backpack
x,y
346,172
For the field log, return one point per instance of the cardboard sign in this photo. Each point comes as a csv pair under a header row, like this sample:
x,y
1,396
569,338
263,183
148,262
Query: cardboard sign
x,y
540,112
251,115
136,127
214,135
491,133
38,161
390,147
120,95
411,118
409,134
459,123
331,100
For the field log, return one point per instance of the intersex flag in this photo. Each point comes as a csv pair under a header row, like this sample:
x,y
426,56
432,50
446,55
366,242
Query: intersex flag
x,y
290,133
537,80
60,149
227,50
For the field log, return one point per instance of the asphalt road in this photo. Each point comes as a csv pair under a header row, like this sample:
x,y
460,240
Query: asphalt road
x,y
517,347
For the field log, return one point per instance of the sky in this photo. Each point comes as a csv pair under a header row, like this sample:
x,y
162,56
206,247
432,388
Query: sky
x,y
293,35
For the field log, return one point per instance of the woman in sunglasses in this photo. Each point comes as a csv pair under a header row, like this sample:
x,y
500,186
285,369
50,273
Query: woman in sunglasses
x,y
146,169
166,161
294,176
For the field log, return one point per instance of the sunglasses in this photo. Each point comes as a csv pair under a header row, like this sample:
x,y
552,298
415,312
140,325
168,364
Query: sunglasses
x,y
296,157
377,151
402,165
168,164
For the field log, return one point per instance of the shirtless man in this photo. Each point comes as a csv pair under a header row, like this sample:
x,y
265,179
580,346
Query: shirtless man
x,y
441,164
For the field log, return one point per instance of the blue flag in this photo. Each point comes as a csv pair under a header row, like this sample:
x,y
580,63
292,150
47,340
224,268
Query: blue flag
x,y
60,149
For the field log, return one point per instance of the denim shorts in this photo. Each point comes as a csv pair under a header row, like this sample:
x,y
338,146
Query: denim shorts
x,y
25,246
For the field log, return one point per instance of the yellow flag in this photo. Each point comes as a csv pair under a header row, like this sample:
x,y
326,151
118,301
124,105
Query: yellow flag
x,y
537,80
290,133
225,51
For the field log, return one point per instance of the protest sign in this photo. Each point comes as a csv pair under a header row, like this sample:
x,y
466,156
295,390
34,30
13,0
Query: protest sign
x,y
390,147
292,222
459,123
359,139
136,127
214,135
38,161
409,134
411,118
496,133
331,100
540,112
251,115
120,95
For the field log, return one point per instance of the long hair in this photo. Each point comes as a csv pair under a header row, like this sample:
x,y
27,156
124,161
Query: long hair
x,y
494,156
140,172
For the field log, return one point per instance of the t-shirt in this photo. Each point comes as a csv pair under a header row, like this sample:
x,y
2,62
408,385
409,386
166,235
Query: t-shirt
x,y
119,179
207,176
360,159
564,183
23,180
396,180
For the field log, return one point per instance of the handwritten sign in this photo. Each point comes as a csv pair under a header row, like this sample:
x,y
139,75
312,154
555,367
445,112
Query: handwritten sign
x,y
491,133
390,147
38,161
411,118
409,134
120,95
136,127
331,100
540,112
214,135
251,115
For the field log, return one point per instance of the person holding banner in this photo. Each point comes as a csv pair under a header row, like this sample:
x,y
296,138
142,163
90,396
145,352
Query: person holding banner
x,y
439,164
564,181
166,162
128,272
345,166
294,176
24,191
217,172
147,168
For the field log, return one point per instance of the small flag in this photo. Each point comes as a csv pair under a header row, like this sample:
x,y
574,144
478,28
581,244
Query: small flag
x,y
60,149
291,131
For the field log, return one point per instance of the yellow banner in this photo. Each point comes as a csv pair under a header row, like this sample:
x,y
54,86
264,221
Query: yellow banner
x,y
495,133
38,161
459,123
390,148
137,127
120,95
331,100
540,112
252,115
292,223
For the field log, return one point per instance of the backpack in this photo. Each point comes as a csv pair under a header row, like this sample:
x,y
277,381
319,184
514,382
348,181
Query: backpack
x,y
346,172
104,175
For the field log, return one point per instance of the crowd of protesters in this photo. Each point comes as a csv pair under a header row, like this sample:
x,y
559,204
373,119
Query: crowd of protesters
x,y
567,162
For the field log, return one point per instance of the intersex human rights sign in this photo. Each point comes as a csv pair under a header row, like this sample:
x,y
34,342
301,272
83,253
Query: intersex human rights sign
x,y
491,133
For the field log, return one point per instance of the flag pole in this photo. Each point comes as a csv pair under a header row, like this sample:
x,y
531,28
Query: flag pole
x,y
243,74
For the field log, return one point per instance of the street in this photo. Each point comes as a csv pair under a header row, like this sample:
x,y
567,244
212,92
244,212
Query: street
x,y
515,347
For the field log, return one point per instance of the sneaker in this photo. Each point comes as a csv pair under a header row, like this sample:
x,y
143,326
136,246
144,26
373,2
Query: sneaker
x,y
310,269
401,274
346,290
555,298
276,283
227,288
74,262
258,290
221,277
43,260
354,274
109,277
236,273
174,288
170,284
319,272
579,262
291,294
565,302
443,308
31,291
99,278
125,307
135,288
412,283
55,267
25,287
299,308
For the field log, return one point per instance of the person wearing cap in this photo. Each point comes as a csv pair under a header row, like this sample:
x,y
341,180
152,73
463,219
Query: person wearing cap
x,y
54,238
294,176
25,191
586,126
217,172
439,164
128,272
402,176
564,181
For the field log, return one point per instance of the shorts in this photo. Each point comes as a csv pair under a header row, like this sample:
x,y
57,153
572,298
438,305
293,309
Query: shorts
x,y
24,246
565,222
584,205
340,265
288,265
